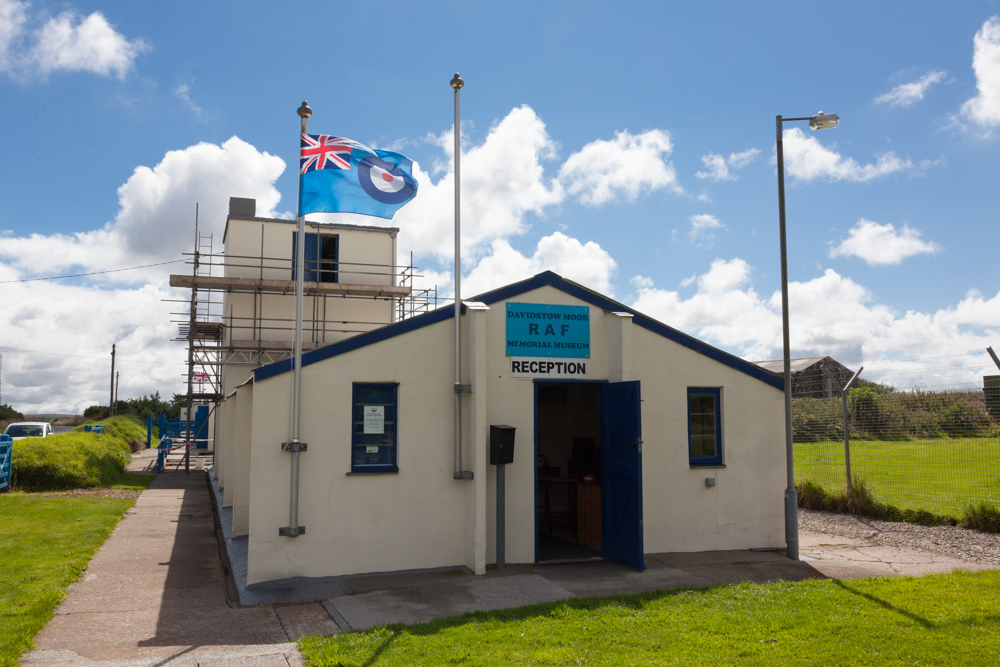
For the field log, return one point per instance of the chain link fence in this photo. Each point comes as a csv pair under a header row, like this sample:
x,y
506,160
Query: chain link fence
x,y
926,450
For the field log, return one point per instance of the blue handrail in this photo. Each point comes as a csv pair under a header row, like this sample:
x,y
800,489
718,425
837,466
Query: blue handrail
x,y
6,454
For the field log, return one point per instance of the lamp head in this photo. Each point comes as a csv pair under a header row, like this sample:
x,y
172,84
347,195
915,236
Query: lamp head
x,y
304,111
457,82
824,121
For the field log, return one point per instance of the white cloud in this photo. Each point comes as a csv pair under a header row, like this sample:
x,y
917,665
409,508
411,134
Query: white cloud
x,y
882,244
984,109
81,319
717,167
12,19
830,315
703,228
585,263
57,344
183,91
628,164
155,220
503,180
806,159
908,94
68,42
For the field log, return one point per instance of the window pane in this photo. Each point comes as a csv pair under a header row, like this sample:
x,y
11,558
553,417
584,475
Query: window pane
x,y
702,403
702,425
374,425
702,446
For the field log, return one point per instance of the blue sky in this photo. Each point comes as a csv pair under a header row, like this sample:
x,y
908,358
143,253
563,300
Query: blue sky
x,y
628,146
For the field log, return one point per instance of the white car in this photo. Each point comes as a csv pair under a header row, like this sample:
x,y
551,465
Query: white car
x,y
20,430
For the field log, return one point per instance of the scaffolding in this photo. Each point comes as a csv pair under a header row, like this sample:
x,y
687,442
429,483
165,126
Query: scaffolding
x,y
218,334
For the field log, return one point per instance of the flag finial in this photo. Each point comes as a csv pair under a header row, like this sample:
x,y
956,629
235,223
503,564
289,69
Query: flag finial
x,y
305,111
457,82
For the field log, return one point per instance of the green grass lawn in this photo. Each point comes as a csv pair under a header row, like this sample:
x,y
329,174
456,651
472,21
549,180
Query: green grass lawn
x,y
935,620
45,543
941,476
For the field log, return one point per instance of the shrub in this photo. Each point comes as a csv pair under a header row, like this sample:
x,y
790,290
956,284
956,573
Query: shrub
x,y
984,516
860,500
9,414
127,428
69,461
96,412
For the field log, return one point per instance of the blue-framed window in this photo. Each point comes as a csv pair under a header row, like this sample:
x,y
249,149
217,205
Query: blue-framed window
x,y
374,427
321,256
704,426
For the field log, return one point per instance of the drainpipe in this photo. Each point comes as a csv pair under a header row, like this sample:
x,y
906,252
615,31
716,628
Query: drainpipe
x,y
456,84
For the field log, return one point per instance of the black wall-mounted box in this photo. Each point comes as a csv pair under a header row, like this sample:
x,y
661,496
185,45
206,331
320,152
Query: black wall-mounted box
x,y
501,445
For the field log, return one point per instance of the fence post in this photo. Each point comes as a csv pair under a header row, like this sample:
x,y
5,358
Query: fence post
x,y
847,421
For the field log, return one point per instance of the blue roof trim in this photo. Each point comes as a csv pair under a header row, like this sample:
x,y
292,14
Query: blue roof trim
x,y
359,341
544,279
550,279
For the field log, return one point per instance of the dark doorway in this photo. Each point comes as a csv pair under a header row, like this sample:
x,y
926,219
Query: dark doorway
x,y
568,496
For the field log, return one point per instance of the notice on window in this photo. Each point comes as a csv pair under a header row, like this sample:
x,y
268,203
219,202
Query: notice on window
x,y
374,419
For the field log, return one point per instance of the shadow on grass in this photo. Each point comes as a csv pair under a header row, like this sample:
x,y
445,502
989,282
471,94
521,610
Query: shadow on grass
x,y
382,648
887,605
634,601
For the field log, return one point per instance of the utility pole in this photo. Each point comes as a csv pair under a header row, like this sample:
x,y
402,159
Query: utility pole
x,y
111,403
117,379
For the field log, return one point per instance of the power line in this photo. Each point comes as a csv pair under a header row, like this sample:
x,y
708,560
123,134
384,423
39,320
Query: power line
x,y
92,273
77,356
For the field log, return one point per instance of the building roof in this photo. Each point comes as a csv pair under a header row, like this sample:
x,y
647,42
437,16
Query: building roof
x,y
800,364
545,279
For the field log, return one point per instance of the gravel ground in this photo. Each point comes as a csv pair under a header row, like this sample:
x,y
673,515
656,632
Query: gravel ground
x,y
127,494
969,546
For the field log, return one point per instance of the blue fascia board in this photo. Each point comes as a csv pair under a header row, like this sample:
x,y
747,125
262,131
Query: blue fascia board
x,y
544,279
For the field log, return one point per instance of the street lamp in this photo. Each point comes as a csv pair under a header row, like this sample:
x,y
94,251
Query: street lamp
x,y
821,121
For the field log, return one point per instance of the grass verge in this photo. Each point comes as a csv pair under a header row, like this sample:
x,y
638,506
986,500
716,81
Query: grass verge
x,y
46,542
939,619
941,475
859,499
77,459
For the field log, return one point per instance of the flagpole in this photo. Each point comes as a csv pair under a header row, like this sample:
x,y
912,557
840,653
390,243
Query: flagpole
x,y
456,84
294,445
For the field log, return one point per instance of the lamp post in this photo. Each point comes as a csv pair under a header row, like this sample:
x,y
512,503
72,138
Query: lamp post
x,y
820,121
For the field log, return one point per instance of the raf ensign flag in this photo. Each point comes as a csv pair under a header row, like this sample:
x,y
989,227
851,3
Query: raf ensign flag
x,y
337,175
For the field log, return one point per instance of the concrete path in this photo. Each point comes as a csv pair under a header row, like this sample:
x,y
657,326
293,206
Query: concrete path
x,y
155,593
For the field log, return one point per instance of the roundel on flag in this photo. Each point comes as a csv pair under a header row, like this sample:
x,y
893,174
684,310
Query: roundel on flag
x,y
385,182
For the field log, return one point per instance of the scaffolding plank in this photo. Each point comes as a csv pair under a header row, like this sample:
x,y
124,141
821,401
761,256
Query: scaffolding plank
x,y
286,286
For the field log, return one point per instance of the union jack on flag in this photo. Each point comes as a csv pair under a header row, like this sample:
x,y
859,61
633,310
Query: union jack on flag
x,y
324,151
199,377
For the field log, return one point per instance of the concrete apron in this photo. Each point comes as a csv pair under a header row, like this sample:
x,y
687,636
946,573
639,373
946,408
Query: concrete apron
x,y
156,592
361,602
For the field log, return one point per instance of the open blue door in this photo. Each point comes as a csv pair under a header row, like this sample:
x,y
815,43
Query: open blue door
x,y
311,256
621,474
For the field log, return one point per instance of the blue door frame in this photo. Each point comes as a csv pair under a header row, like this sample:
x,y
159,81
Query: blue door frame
x,y
621,470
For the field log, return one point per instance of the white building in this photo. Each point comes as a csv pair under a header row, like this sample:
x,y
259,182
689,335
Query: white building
x,y
630,438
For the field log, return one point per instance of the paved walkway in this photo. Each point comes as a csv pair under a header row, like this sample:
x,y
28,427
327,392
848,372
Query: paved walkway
x,y
155,593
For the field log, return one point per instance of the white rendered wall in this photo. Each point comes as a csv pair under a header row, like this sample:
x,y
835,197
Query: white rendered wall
x,y
421,517
415,518
746,507
241,459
